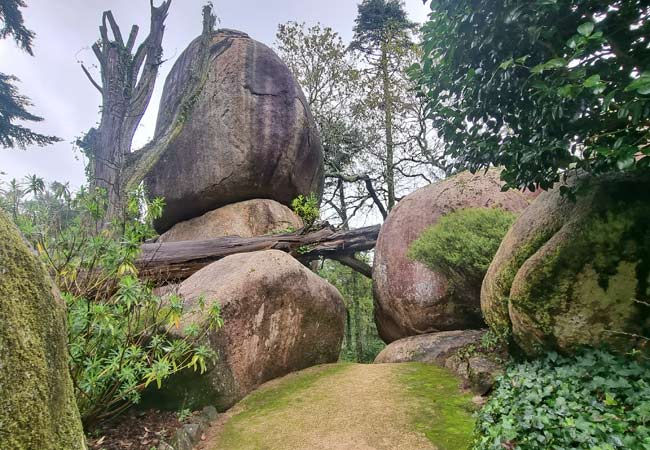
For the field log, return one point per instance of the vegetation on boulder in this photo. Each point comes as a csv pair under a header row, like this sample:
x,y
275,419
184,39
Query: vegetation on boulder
x,y
462,243
572,274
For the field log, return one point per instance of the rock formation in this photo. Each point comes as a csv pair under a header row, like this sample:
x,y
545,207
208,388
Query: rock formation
x,y
244,219
459,351
569,273
37,404
233,125
279,317
411,299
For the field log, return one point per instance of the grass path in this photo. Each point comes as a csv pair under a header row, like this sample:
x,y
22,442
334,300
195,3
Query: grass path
x,y
351,407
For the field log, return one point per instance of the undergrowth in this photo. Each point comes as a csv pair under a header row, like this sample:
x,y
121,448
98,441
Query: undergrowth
x,y
592,401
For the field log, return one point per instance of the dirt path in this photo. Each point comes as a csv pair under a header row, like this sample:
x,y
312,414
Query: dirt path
x,y
342,407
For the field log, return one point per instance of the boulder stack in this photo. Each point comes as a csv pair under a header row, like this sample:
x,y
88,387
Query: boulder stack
x,y
235,144
233,125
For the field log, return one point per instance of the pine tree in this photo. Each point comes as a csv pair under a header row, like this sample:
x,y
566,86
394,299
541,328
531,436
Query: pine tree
x,y
13,106
381,33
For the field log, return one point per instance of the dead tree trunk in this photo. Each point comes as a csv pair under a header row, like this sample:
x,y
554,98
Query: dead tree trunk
x,y
174,261
127,83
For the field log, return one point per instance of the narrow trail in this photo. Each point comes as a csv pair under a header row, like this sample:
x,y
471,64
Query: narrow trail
x,y
350,407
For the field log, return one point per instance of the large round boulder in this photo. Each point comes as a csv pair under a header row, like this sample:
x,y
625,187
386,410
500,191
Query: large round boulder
x,y
575,273
37,403
233,125
279,317
410,298
244,219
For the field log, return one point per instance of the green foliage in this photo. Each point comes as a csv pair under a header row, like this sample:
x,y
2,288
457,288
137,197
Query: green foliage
x,y
594,401
119,332
362,342
307,209
183,414
463,242
378,22
540,87
13,25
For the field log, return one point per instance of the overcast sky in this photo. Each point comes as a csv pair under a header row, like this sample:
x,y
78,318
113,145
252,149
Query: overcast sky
x,y
65,29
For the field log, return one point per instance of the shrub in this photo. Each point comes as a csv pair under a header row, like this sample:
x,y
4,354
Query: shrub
x,y
594,401
119,331
463,243
307,209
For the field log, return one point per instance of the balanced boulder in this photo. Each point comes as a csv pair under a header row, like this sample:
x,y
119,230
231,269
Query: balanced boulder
x,y
37,403
576,273
233,125
244,219
410,298
279,317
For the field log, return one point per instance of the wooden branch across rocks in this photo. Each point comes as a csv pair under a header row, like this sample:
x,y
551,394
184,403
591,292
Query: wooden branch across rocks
x,y
175,261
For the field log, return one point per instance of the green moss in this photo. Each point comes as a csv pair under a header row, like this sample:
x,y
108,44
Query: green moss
x,y
462,243
37,406
583,289
266,401
443,413
497,317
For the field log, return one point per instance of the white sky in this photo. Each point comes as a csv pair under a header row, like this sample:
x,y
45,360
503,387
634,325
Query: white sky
x,y
65,29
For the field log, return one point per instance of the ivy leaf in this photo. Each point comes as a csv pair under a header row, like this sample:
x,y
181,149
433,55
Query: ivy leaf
x,y
586,28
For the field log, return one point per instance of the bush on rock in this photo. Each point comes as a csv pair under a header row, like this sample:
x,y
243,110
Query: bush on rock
x,y
462,244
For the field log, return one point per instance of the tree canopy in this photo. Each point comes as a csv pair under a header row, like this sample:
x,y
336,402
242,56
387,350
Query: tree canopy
x,y
541,87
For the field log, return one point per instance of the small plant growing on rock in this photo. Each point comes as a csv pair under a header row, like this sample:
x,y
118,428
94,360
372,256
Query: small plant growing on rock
x,y
307,209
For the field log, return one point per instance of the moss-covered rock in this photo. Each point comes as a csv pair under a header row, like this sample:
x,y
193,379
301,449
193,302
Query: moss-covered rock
x,y
37,405
570,274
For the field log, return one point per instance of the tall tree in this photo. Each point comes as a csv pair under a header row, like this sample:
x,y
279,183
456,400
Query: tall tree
x,y
328,74
13,106
381,33
128,77
540,87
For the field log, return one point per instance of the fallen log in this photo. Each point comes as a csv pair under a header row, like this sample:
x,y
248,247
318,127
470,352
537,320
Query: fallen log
x,y
175,261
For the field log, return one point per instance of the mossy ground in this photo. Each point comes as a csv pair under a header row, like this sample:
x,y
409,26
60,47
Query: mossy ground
x,y
442,412
352,406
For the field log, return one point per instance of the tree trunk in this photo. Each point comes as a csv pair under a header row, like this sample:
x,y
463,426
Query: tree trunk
x,y
388,128
174,261
127,83
357,317
348,330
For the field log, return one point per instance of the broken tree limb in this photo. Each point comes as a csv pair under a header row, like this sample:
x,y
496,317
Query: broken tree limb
x,y
355,264
174,261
